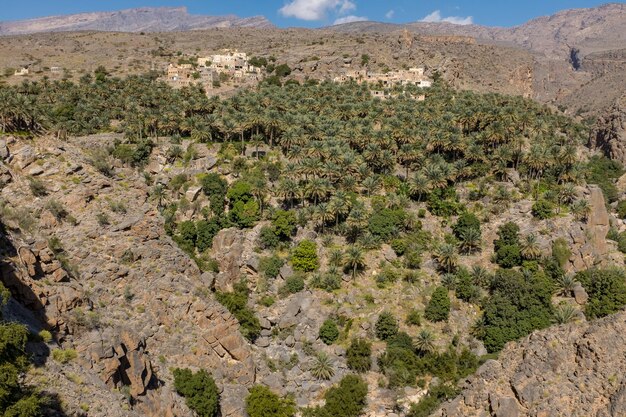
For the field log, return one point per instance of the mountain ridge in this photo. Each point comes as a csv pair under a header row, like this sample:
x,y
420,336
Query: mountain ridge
x,y
143,19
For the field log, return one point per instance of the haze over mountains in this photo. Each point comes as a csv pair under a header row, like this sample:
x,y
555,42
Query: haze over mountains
x,y
145,19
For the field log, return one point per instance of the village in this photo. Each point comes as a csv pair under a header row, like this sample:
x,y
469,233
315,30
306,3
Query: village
x,y
229,70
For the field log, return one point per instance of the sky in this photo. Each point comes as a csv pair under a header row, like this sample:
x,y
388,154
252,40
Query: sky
x,y
317,13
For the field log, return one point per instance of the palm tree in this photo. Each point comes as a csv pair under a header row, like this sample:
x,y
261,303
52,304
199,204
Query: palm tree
x,y
322,366
447,257
424,341
158,193
565,313
470,240
354,259
581,209
566,283
419,185
529,248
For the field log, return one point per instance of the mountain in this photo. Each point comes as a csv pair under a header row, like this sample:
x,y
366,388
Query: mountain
x,y
586,30
147,19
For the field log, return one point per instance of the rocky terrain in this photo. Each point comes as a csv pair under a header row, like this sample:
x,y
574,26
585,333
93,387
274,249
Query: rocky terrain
x,y
160,19
572,370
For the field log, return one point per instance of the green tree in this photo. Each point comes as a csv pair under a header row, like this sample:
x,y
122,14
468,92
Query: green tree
x,y
438,308
386,326
348,399
199,389
359,355
262,402
329,332
304,256
215,188
606,289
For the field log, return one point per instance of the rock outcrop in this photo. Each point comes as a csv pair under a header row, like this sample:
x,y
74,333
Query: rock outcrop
x,y
573,370
609,134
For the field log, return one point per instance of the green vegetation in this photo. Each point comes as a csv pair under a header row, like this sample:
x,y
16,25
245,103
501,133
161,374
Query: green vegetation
x,y
438,307
236,302
329,331
606,289
386,326
359,355
199,389
347,399
304,256
262,402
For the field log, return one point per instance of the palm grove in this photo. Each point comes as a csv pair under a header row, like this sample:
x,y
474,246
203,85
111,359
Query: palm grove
x,y
362,172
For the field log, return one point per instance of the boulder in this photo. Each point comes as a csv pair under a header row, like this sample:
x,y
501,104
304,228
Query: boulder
x,y
580,295
193,193
4,150
24,157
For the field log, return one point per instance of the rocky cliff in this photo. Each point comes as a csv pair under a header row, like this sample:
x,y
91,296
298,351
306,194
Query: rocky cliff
x,y
118,292
572,370
609,134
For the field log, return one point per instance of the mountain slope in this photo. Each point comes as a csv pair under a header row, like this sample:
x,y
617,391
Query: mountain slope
x,y
589,30
161,19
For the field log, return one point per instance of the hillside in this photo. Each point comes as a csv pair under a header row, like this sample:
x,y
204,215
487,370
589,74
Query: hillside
x,y
160,19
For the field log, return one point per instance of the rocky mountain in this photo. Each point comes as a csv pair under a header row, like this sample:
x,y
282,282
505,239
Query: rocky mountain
x,y
574,370
161,19
581,30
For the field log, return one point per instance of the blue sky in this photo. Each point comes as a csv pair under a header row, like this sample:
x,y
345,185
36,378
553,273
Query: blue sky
x,y
315,13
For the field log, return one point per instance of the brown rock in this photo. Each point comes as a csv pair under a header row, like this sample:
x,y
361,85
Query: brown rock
x,y
580,295
29,260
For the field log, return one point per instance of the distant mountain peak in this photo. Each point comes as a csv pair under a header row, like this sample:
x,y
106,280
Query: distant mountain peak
x,y
143,19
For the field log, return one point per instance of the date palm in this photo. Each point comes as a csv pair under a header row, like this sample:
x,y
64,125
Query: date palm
x,y
529,247
424,341
354,259
447,257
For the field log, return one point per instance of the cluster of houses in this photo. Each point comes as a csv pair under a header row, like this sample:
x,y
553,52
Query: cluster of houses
x,y
207,70
387,80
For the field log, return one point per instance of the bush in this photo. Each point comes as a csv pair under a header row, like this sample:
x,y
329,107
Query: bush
x,y
64,355
386,326
413,318
239,191
542,209
603,172
214,187
244,214
399,246
270,266
438,308
282,70
444,202
606,289
329,332
199,389
509,256
294,284
517,306
37,187
359,355
465,221
561,251
621,209
348,399
304,256
237,303
386,223
284,224
508,235
268,238
429,403
262,402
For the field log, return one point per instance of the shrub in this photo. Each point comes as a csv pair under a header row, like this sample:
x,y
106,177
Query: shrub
x,y
509,256
621,209
429,403
517,306
199,389
304,256
385,223
236,302
214,187
64,355
359,355
465,221
270,266
294,284
45,336
56,209
399,246
444,202
508,235
542,209
438,307
37,187
322,367
239,191
603,172
606,289
348,399
561,251
413,318
329,332
262,402
284,224
268,238
244,214
386,326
